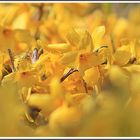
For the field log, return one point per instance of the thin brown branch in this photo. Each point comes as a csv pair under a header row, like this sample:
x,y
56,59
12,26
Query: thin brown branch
x,y
113,45
132,60
101,48
40,52
39,16
67,74
85,86
12,60
40,11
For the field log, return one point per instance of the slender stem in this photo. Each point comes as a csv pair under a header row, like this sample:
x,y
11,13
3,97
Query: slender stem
x,y
132,60
101,48
113,45
85,86
40,14
34,55
40,11
12,60
67,74
40,52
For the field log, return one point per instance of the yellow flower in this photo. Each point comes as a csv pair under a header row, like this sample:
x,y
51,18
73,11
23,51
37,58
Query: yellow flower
x,y
10,39
115,73
7,39
69,69
125,54
65,118
82,56
48,102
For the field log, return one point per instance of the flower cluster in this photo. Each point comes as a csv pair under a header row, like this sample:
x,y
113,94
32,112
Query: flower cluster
x,y
69,70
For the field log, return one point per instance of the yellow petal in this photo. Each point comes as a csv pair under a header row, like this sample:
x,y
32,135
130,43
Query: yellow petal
x,y
122,57
61,47
133,48
8,14
39,100
88,60
135,83
56,89
97,36
27,78
133,68
119,77
76,98
120,27
86,42
23,36
25,93
65,117
42,59
7,39
91,76
73,37
10,78
21,21
69,58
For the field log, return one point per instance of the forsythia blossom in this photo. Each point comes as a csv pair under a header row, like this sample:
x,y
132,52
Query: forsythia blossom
x,y
69,70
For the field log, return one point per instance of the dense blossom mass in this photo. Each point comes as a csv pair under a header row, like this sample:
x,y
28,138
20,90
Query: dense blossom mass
x,y
69,69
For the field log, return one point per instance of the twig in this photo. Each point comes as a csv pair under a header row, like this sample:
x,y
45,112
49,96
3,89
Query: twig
x,y
12,60
40,11
40,52
132,60
100,48
113,45
67,74
85,86
40,14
